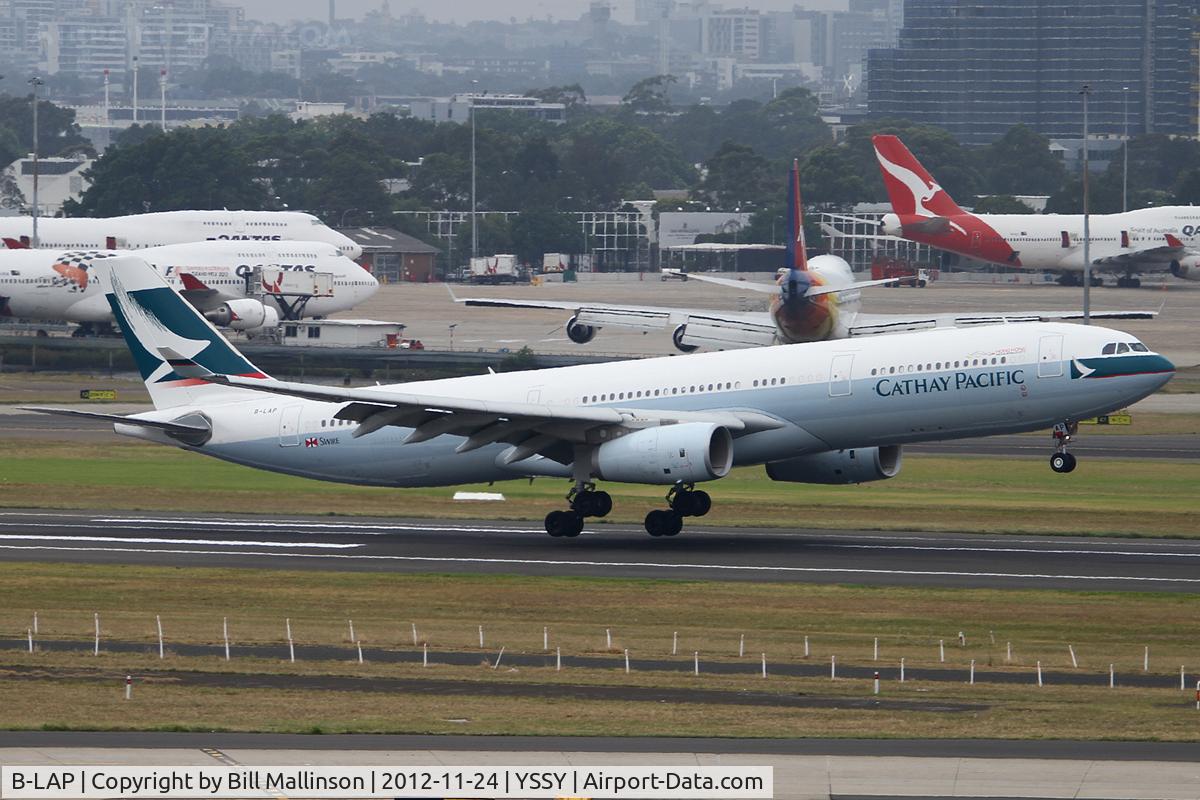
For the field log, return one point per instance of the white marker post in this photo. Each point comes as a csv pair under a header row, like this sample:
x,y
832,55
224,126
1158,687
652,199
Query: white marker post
x,y
1198,695
1112,677
499,656
806,647
291,645
558,659
972,680
902,670
675,643
1074,662
158,622
962,639
359,645
876,656
764,665
96,648
1182,685
1008,654
696,663
608,639
414,627
1146,659
1039,668
128,687
742,646
425,655
876,683
545,638
225,633
353,638
942,650
30,632
35,630
626,660
833,668
480,637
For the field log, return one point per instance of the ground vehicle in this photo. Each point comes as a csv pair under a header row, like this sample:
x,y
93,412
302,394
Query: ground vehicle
x,y
500,268
883,267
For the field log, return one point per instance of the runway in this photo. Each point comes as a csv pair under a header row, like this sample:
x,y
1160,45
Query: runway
x,y
617,550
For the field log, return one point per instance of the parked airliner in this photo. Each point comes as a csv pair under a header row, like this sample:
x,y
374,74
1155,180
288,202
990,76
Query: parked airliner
x,y
136,231
827,412
813,300
1166,238
218,277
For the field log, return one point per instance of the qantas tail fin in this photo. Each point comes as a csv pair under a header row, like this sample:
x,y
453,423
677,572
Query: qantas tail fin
x,y
910,187
797,254
172,343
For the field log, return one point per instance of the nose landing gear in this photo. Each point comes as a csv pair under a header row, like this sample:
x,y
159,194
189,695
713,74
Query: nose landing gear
x,y
1062,461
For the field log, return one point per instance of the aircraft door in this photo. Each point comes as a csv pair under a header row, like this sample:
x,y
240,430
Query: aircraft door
x,y
1050,357
534,396
289,426
839,375
976,240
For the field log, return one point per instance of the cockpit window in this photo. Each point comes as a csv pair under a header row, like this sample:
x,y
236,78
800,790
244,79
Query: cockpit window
x,y
1109,348
1138,347
1122,348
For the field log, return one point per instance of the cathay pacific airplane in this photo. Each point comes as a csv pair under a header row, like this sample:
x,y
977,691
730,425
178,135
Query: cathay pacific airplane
x,y
813,300
218,277
1165,238
156,228
827,412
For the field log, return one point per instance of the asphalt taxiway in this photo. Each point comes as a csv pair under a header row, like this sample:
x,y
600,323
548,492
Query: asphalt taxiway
x,y
612,550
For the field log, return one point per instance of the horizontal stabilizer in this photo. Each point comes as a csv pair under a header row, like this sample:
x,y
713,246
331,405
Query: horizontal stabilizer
x,y
192,429
929,227
817,291
750,286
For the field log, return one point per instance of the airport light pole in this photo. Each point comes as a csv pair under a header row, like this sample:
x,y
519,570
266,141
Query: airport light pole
x,y
35,82
162,89
474,221
1086,92
135,90
1125,149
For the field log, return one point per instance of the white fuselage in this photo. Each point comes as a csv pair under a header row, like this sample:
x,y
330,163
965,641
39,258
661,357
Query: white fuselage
x,y
138,231
52,285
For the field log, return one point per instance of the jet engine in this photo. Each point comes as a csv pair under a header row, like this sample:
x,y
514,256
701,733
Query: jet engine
x,y
1188,268
677,340
243,315
666,454
580,334
859,465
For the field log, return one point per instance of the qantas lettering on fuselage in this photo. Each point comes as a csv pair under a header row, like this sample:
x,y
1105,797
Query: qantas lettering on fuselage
x,y
244,270
247,237
902,387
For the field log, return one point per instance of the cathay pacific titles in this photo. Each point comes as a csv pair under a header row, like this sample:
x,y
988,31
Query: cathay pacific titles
x,y
888,387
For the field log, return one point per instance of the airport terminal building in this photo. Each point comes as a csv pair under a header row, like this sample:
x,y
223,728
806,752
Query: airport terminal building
x,y
977,67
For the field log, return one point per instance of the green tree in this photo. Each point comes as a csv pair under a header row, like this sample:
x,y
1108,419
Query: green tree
x,y
949,162
1186,190
830,176
1000,204
188,168
58,132
649,95
1020,162
537,232
1104,196
736,174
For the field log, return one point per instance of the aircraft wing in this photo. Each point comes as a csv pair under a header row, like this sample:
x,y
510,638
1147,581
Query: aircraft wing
x,y
771,288
701,328
531,428
1173,249
197,292
872,324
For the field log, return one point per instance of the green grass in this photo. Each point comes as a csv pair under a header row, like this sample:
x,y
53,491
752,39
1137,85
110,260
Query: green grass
x,y
1103,496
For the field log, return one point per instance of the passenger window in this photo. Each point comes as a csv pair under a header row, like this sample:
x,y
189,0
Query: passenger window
x,y
891,370
1109,349
782,381
756,382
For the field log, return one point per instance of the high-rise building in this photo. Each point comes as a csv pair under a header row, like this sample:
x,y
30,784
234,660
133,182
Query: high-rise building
x,y
978,67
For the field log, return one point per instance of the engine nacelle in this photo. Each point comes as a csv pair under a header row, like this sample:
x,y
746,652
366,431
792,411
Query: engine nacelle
x,y
859,465
243,315
580,334
1187,268
687,452
677,340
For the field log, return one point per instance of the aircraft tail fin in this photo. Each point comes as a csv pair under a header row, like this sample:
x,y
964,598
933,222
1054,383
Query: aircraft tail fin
x,y
173,345
796,248
910,187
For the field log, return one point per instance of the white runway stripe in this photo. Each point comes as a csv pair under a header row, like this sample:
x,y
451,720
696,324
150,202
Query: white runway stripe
x,y
38,537
635,564
369,529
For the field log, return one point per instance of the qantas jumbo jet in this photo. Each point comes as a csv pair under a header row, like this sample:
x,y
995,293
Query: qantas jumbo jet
x,y
1147,239
812,300
219,278
827,412
136,231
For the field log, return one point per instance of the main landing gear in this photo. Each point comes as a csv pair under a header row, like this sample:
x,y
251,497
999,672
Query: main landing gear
x,y
586,501
1129,282
684,501
1062,461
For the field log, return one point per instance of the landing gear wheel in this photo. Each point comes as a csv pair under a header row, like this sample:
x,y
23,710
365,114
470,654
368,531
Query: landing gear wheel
x,y
663,522
564,523
689,502
589,502
1062,462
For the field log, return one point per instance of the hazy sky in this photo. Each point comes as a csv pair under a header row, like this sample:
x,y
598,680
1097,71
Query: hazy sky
x,y
464,10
